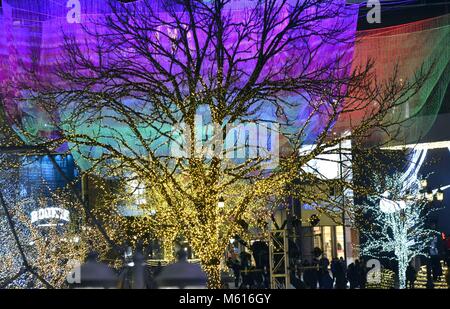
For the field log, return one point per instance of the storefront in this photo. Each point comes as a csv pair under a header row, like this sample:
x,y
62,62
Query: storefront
x,y
330,239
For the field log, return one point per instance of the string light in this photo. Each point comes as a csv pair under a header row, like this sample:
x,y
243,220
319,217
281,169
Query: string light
x,y
400,234
114,136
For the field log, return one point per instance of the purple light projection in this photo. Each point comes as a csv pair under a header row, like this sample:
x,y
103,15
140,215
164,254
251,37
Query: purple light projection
x,y
34,32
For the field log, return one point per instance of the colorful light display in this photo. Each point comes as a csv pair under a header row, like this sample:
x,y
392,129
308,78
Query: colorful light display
x,y
406,48
35,36
34,39
397,231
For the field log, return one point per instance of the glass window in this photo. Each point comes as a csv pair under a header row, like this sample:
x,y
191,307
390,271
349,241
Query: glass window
x,y
328,242
340,241
317,232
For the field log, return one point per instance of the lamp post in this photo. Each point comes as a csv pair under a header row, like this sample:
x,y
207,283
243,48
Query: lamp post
x,y
423,183
440,195
221,202
430,196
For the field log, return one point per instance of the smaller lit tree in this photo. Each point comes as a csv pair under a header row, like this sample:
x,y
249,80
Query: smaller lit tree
x,y
394,222
43,256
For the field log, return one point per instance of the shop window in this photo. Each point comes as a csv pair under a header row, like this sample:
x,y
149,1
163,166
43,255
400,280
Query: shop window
x,y
327,242
340,241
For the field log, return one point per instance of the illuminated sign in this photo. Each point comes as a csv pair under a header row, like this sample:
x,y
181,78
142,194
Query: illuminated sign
x,y
389,207
50,213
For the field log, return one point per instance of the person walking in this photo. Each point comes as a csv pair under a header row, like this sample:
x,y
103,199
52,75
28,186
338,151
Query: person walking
x,y
296,280
362,275
411,275
343,264
435,260
266,277
326,282
323,274
314,274
352,275
310,275
324,262
341,280
233,263
333,267
358,273
247,280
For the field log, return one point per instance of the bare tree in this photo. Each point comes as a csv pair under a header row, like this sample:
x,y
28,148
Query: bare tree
x,y
132,89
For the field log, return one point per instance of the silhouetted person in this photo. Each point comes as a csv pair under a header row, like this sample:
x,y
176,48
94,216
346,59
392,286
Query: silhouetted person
x,y
352,275
142,277
323,273
341,280
307,275
311,275
266,277
295,280
300,283
247,280
181,274
324,262
326,282
95,274
236,267
435,259
343,263
447,249
359,274
410,276
334,265
260,251
362,275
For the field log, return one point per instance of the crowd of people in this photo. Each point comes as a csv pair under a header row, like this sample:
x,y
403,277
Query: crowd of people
x,y
324,274
246,275
318,274
251,271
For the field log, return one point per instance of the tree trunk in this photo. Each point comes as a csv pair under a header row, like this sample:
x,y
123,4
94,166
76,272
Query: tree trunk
x,y
213,273
402,265
168,249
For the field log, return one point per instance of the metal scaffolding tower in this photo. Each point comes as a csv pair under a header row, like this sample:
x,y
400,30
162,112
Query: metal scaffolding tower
x,y
279,260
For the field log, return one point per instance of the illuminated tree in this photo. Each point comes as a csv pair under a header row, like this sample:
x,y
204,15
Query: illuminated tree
x,y
394,225
160,91
35,255
49,253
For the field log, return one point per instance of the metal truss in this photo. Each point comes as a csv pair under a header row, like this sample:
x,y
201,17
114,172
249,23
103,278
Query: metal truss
x,y
279,260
